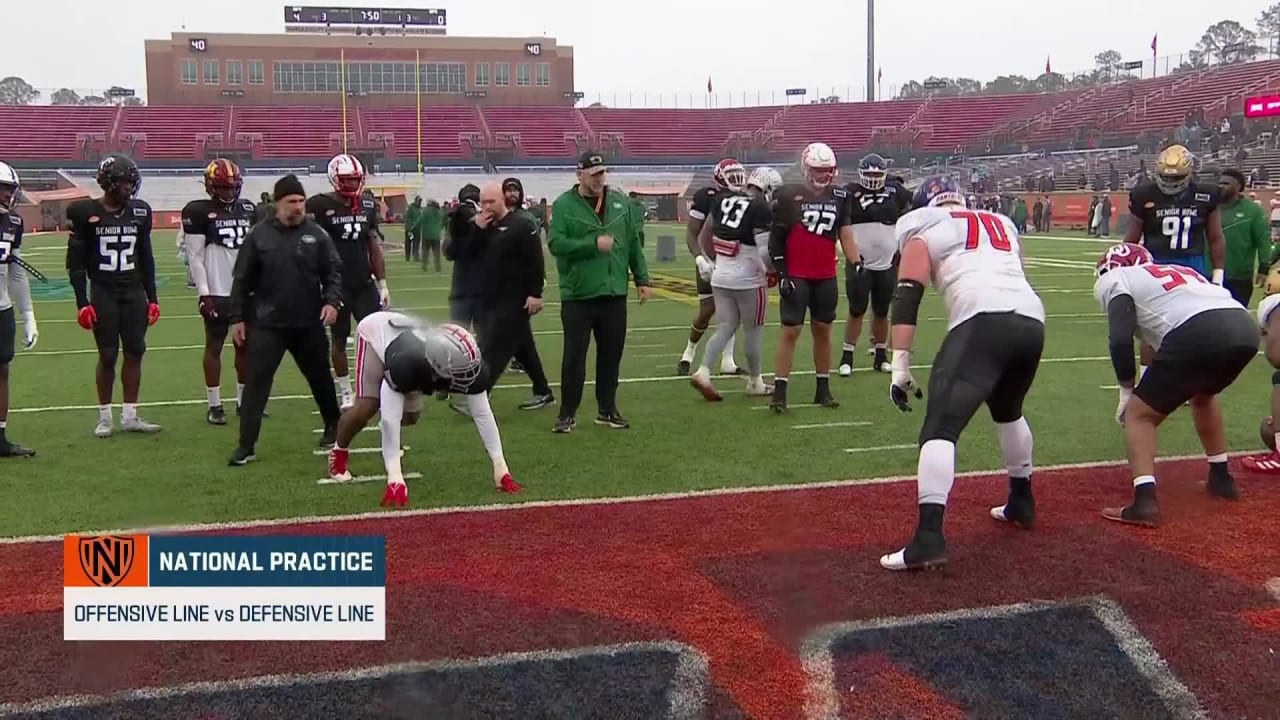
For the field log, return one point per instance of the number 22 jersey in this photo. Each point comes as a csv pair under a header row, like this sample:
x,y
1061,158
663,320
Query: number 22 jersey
x,y
813,220
1174,225
1165,296
223,228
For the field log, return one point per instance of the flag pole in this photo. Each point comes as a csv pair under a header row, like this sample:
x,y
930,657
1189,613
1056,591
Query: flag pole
x,y
342,82
417,96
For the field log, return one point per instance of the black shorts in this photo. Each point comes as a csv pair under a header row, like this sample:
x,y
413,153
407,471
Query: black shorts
x,y
122,319
1240,288
8,336
874,287
219,324
990,358
819,297
1202,356
704,286
358,303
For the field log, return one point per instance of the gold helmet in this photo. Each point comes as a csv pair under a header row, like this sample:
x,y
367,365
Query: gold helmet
x,y
1173,169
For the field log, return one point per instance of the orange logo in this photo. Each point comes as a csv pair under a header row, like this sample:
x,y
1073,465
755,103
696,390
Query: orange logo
x,y
94,218
104,561
1149,205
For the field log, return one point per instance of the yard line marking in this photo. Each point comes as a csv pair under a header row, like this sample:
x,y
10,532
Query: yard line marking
x,y
789,406
371,428
842,423
647,345
573,502
878,448
356,480
356,451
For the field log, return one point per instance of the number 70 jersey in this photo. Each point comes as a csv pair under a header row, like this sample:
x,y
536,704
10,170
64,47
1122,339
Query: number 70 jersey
x,y
1165,296
977,261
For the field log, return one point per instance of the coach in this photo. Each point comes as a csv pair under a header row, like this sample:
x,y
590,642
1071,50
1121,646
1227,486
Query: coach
x,y
595,239
291,267
464,246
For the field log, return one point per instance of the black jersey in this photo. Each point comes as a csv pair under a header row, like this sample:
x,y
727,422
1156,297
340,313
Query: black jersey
x,y
883,206
807,224
407,369
1174,225
701,202
221,225
11,228
739,216
352,230
111,248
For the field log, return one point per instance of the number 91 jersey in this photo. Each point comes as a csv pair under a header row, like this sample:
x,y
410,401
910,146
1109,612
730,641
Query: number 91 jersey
x,y
1165,296
1174,225
223,228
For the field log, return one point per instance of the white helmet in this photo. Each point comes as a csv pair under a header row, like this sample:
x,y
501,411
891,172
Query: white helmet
x,y
346,175
765,179
453,354
819,164
8,186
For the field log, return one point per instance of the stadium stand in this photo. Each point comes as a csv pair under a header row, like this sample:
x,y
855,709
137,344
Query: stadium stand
x,y
442,127
293,132
164,133
846,127
657,132
52,132
537,132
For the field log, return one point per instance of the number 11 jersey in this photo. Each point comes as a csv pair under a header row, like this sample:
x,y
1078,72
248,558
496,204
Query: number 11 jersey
x,y
1174,226
352,229
223,228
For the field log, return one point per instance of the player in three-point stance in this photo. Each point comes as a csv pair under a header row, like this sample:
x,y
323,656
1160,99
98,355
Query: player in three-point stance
x,y
995,336
113,272
351,219
15,295
213,231
728,176
1269,322
1202,338
398,361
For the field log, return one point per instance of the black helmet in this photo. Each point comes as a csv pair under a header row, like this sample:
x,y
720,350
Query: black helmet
x,y
118,176
872,170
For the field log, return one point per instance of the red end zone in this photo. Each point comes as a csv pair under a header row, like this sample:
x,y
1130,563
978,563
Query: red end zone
x,y
748,581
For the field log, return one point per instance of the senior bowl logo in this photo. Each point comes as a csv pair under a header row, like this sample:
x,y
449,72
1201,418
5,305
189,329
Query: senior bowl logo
x,y
106,559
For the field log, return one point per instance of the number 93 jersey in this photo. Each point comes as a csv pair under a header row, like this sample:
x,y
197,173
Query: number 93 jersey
x,y
106,245
223,228
977,261
352,231
1165,296
1174,225
736,219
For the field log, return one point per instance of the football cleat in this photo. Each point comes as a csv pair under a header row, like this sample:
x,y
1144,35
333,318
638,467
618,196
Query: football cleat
x,y
1223,487
338,465
613,420
1268,464
825,399
845,370
537,402
12,450
732,368
396,495
564,425
508,485
105,428
684,367
216,416
1018,512
136,424
701,381
926,550
328,437
757,387
241,456
515,367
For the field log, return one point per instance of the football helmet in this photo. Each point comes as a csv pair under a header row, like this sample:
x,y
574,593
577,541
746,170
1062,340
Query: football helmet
x,y
937,190
1272,284
453,354
1173,169
346,175
1123,255
9,185
872,172
819,164
729,175
223,181
119,177
765,179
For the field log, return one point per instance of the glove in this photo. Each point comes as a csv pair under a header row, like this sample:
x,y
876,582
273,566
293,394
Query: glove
x,y
771,279
29,330
902,384
153,313
206,307
786,286
384,295
705,267
87,317
1125,394
857,266
502,480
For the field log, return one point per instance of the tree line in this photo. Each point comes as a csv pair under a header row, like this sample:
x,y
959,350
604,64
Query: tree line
x,y
17,91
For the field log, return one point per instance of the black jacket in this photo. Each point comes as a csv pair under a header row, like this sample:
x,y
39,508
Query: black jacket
x,y
512,264
466,246
292,272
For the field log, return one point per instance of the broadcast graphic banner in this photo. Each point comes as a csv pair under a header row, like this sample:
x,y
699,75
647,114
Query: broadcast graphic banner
x,y
280,587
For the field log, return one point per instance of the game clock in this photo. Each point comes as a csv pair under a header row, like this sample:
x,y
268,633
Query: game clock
x,y
339,16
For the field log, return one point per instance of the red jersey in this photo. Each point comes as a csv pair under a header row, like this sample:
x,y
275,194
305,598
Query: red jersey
x,y
813,221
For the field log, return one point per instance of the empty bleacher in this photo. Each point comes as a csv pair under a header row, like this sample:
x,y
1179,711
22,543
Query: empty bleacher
x,y
50,132
172,132
846,127
656,132
440,128
292,131
958,121
541,129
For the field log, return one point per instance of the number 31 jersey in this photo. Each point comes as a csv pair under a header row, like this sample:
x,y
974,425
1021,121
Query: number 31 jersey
x,y
352,231
1165,296
1174,225
977,261
223,228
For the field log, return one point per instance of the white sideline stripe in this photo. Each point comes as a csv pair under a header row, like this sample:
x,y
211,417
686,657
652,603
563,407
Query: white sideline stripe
x,y
846,423
877,448
357,451
574,502
365,479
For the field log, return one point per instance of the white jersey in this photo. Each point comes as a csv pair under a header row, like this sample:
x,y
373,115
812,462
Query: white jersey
x,y
378,329
1166,296
1268,304
743,270
977,261
877,244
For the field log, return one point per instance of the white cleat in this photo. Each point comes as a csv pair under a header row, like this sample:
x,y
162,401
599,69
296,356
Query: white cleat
x,y
731,368
845,370
137,425
885,368
105,429
758,388
894,561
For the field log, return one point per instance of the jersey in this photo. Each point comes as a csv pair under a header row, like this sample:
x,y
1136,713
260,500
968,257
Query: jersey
x,y
873,214
403,355
111,248
1174,225
1166,296
352,230
813,220
219,231
10,243
736,218
977,261
701,202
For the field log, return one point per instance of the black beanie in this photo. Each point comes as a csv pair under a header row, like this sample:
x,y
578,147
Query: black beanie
x,y
469,192
288,185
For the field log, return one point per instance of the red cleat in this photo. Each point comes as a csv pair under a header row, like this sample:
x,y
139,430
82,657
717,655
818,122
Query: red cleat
x,y
338,464
1268,464
508,485
397,495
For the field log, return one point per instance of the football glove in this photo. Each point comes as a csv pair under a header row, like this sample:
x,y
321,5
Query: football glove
x,y
207,307
705,266
502,480
786,286
87,317
1218,276
1125,394
153,313
902,384
384,294
771,279
30,331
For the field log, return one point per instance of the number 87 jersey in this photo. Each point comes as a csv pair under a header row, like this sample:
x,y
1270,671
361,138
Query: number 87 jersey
x,y
1174,226
218,229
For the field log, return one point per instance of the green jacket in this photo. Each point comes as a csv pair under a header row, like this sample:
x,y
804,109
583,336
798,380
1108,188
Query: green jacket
x,y
641,209
431,223
585,272
1248,238
411,218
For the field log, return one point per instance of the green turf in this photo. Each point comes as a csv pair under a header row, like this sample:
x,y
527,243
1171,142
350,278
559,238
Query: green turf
x,y
677,441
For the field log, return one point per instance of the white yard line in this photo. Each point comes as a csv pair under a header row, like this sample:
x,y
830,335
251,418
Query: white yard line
x,y
878,448
356,451
842,423
356,480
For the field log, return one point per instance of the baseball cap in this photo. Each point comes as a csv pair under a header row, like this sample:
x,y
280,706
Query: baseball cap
x,y
592,160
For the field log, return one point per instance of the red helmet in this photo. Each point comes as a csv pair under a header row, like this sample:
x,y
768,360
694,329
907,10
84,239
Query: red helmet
x,y
1123,255
729,175
223,181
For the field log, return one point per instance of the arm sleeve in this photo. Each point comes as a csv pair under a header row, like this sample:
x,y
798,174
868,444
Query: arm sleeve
x,y
562,242
147,260
195,245
1135,204
331,283
19,285
78,261
391,411
487,426
245,275
635,252
535,269
778,241
1122,323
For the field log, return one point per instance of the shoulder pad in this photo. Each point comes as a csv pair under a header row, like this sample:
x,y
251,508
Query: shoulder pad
x,y
368,203
15,219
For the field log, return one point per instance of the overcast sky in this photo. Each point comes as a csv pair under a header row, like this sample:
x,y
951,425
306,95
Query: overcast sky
x,y
665,46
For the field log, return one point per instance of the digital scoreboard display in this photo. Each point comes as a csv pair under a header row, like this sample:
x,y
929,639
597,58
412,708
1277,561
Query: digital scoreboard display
x,y
1263,106
307,18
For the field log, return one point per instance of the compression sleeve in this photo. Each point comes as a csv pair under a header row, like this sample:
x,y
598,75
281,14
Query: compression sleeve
x,y
19,285
487,426
391,410
906,302
78,268
778,247
195,245
1122,323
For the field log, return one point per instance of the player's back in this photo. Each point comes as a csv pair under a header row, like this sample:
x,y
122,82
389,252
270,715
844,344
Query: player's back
x,y
1165,296
738,216
977,261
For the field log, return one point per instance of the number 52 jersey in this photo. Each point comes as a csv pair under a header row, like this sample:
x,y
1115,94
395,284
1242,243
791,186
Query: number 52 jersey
x,y
111,248
223,228
1165,296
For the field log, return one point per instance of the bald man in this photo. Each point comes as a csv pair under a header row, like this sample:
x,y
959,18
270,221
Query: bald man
x,y
513,264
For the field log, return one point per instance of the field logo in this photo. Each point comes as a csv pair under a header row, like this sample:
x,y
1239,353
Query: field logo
x,y
107,559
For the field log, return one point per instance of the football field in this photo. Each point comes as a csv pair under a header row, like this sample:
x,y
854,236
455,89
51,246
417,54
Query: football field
x,y
679,568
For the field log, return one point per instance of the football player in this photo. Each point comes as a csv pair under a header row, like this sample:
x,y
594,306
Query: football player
x,y
737,235
110,246
1177,220
15,293
995,336
809,219
1269,322
351,219
213,231
398,360
729,175
1202,339
877,202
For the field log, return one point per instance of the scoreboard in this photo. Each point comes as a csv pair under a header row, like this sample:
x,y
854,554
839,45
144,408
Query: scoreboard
x,y
1262,106
322,19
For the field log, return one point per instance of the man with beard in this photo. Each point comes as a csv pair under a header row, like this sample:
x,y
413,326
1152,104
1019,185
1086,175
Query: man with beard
x,y
1244,227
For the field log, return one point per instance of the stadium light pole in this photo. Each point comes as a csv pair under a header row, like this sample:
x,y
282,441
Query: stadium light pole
x,y
871,50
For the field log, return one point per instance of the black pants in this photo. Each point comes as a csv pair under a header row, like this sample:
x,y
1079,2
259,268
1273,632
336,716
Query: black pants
x,y
412,243
606,318
508,334
1241,289
267,345
430,251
